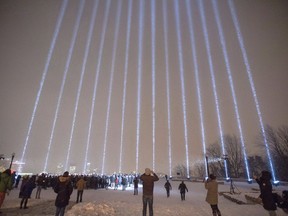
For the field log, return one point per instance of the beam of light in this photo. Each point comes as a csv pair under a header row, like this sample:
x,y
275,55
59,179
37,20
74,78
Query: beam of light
x,y
249,73
228,69
53,42
83,69
153,33
115,43
91,29
196,72
167,69
100,54
181,67
212,75
70,52
125,81
139,70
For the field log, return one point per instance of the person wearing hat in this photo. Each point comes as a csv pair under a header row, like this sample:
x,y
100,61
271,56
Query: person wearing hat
x,y
64,189
211,185
148,179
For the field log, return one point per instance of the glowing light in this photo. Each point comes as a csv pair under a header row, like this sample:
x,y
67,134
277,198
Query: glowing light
x,y
83,69
196,72
70,52
167,69
91,28
125,81
153,33
228,69
181,67
111,80
212,75
55,36
140,45
249,73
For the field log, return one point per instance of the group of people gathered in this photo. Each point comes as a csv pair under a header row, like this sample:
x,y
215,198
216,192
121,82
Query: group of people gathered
x,y
63,186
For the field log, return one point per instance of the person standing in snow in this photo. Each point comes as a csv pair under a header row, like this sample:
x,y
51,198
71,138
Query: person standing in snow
x,y
211,186
135,182
266,192
64,189
168,187
81,184
148,179
26,191
183,189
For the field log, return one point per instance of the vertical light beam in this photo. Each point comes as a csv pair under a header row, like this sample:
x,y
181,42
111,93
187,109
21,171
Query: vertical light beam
x,y
212,75
55,36
83,70
181,67
249,73
91,29
139,70
70,52
167,69
153,33
115,42
125,81
100,54
228,69
196,72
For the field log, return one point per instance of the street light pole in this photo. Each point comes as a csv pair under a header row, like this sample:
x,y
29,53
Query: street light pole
x,y
207,165
12,158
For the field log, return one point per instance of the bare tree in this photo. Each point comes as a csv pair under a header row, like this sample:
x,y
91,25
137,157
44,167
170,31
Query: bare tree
x,y
278,145
235,156
214,154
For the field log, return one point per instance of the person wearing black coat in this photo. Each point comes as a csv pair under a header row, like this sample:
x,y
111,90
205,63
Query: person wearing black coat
x,y
64,189
182,187
266,192
26,191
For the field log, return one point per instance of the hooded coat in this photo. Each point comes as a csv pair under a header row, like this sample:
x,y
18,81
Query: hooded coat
x,y
212,192
266,192
64,189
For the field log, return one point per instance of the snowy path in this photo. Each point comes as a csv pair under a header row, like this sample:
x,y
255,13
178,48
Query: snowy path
x,y
124,203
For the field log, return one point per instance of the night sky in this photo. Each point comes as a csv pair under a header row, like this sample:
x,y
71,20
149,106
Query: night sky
x,y
27,31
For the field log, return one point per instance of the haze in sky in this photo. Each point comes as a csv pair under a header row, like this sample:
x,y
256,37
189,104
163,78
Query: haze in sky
x,y
163,79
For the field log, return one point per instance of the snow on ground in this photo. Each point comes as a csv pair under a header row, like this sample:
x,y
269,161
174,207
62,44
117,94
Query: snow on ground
x,y
123,203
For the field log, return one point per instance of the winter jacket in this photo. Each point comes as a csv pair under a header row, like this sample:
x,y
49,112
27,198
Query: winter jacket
x,y
27,188
5,182
212,192
183,188
64,189
81,184
266,194
148,183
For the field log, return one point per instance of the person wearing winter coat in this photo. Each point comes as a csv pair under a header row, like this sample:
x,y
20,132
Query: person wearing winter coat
x,y
64,189
136,182
5,184
26,191
168,187
266,192
211,185
183,189
80,185
148,179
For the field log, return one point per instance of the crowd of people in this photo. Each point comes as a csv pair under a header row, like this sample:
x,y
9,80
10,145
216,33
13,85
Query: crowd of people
x,y
63,186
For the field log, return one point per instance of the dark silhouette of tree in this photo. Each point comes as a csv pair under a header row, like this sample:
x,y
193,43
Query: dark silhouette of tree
x,y
257,164
278,145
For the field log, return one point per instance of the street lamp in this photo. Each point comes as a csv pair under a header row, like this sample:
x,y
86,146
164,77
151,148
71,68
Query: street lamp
x,y
12,158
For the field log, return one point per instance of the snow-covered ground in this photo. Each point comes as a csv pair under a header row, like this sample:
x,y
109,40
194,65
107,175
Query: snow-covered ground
x,y
124,203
